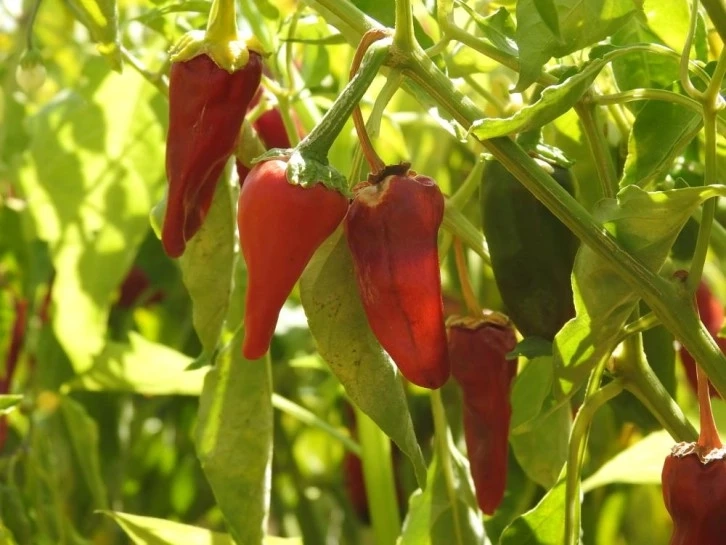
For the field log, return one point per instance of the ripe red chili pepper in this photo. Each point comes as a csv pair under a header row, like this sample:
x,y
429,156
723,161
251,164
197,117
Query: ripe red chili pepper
x,y
694,491
392,229
477,350
712,315
206,107
280,227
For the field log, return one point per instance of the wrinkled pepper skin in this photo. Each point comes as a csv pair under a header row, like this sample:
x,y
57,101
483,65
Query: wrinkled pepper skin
x,y
280,227
712,315
695,496
392,229
532,252
207,105
477,351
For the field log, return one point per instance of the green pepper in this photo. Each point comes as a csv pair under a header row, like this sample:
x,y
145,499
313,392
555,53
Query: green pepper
x,y
532,252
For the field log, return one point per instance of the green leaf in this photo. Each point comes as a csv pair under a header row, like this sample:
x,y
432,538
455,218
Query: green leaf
x,y
329,294
441,515
547,11
124,367
532,387
153,531
207,266
234,440
542,451
95,164
640,463
543,525
8,402
101,19
83,434
646,225
554,101
580,24
531,347
660,133
498,28
670,21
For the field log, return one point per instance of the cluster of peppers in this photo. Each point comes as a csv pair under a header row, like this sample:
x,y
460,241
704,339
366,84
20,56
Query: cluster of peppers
x,y
391,225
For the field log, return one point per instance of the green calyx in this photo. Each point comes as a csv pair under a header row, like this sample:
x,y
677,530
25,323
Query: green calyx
x,y
220,41
307,171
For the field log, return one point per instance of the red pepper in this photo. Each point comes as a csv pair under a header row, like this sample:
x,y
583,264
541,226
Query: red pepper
x,y
712,315
477,350
392,229
206,107
694,492
280,227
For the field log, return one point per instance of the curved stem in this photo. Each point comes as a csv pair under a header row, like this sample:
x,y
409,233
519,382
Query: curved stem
x,y
318,142
576,453
462,196
457,224
222,23
639,325
156,79
374,161
686,56
289,58
708,438
633,95
466,290
31,24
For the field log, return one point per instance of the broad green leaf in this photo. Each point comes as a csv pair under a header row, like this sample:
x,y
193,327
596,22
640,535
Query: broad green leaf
x,y
644,224
532,387
544,524
498,28
641,463
207,266
445,513
542,450
234,440
329,294
670,21
660,133
124,367
83,434
101,19
154,531
580,24
95,165
554,101
641,69
547,11
8,402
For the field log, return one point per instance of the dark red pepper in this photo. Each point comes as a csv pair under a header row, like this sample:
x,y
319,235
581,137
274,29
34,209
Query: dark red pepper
x,y
280,227
207,105
477,351
712,314
392,229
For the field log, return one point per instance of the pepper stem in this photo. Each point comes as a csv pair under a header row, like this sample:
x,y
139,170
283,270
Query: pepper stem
x,y
471,303
374,161
222,23
708,438
321,138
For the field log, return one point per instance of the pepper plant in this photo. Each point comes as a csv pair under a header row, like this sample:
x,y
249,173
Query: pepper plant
x,y
362,271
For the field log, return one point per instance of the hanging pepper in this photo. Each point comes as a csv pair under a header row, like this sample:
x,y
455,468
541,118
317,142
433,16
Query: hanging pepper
x,y
392,229
212,81
280,227
477,350
532,252
712,315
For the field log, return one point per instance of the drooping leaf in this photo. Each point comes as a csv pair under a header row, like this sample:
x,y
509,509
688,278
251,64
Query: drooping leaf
x,y
154,531
329,294
498,28
543,525
83,434
207,266
641,463
8,402
124,367
234,440
446,513
532,387
646,225
94,166
660,133
580,24
554,101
